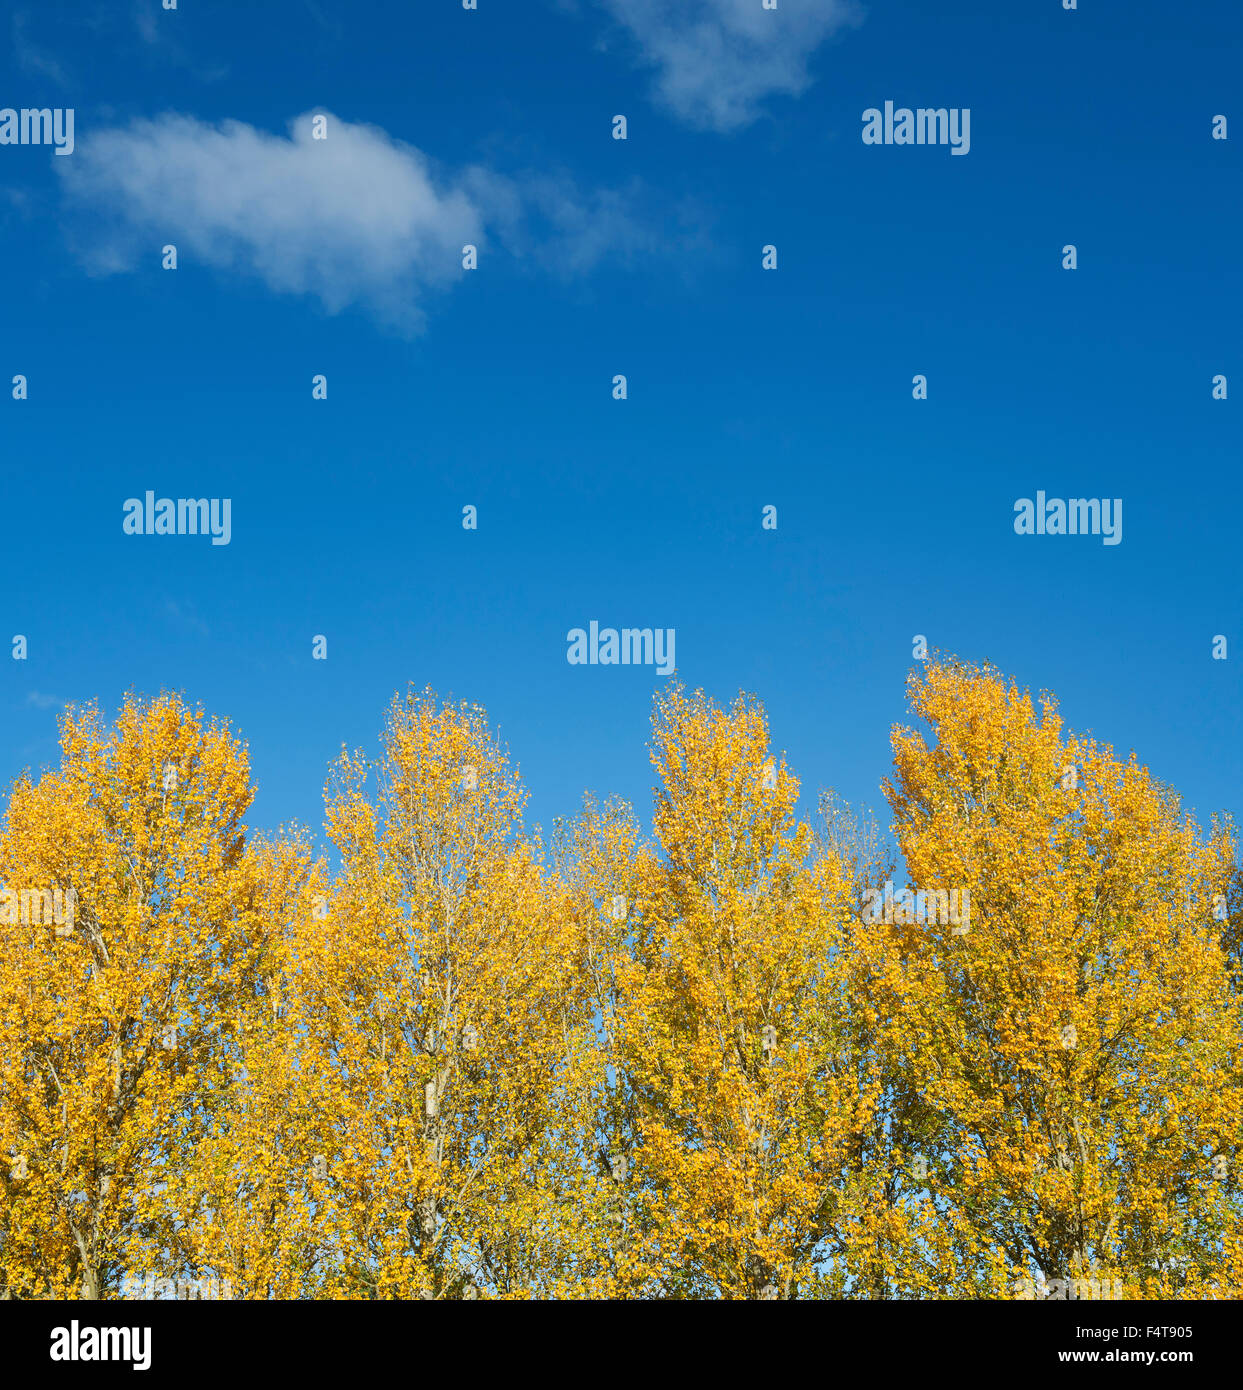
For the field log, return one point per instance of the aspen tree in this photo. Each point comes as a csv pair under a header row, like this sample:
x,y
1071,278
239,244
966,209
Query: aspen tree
x,y
750,1094
1072,1062
142,822
441,988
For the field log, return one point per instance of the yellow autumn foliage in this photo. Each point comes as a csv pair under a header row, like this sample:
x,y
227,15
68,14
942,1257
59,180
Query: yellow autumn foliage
x,y
729,1060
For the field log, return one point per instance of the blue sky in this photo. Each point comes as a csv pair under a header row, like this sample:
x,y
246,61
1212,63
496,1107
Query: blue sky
x,y
597,256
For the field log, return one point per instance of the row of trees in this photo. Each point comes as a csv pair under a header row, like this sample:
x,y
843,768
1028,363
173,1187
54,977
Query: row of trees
x,y
475,1064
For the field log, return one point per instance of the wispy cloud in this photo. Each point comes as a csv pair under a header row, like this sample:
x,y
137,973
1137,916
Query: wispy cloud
x,y
40,701
358,218
185,616
326,22
33,59
717,60
567,230
147,23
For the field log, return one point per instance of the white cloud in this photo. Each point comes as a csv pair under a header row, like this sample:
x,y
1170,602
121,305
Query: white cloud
x,y
717,60
358,218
